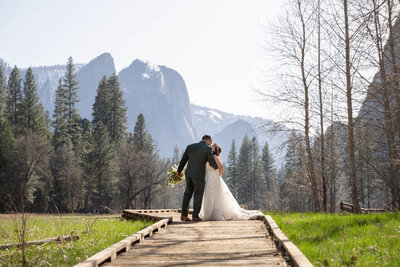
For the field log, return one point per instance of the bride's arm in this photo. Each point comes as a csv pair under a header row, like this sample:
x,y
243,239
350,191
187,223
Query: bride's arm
x,y
219,164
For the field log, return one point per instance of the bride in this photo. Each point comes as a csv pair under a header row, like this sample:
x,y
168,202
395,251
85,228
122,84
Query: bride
x,y
218,202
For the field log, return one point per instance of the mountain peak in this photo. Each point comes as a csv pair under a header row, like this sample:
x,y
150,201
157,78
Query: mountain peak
x,y
105,59
89,77
137,63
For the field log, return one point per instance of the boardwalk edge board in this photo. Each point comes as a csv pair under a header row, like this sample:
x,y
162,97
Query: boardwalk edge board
x,y
284,244
126,244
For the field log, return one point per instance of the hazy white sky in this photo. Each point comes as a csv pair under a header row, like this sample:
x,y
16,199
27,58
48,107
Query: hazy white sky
x,y
215,45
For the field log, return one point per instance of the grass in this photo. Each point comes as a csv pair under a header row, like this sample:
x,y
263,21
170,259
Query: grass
x,y
344,239
96,233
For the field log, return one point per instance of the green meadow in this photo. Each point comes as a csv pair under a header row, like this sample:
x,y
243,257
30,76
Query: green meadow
x,y
96,233
344,239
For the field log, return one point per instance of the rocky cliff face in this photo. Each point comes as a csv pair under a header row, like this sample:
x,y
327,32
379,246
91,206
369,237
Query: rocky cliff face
x,y
89,76
160,94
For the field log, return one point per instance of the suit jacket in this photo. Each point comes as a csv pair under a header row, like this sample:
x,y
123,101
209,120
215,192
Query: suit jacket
x,y
197,155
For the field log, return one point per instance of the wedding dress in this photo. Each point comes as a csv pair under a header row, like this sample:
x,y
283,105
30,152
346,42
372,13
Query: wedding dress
x,y
218,202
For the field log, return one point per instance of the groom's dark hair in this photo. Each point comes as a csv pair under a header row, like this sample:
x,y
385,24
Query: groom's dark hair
x,y
206,137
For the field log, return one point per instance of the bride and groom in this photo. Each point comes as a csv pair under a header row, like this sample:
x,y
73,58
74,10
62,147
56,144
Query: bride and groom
x,y
213,201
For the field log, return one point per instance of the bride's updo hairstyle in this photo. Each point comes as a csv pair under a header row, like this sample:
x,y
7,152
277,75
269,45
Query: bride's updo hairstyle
x,y
217,150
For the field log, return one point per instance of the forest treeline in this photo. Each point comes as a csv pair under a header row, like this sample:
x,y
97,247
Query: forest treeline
x,y
70,164
344,145
67,164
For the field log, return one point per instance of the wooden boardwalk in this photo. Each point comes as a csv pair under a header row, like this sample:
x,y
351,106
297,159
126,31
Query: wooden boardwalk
x,y
232,243
171,242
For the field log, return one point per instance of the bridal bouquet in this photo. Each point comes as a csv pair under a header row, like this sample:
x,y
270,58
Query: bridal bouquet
x,y
173,177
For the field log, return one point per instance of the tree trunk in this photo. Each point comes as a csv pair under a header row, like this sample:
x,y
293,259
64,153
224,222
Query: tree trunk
x,y
350,128
321,116
310,163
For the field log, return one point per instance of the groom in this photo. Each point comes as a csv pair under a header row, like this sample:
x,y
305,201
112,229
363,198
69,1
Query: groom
x,y
196,155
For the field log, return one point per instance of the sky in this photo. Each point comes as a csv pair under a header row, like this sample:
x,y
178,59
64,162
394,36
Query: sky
x,y
217,46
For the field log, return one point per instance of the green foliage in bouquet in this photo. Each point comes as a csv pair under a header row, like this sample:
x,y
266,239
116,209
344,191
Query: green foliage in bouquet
x,y
173,177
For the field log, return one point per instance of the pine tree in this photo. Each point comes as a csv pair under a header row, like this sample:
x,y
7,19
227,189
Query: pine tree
x,y
101,106
291,156
232,177
295,188
14,97
141,138
269,169
3,89
66,120
117,120
103,155
8,185
109,108
87,167
70,86
257,180
59,117
244,171
31,110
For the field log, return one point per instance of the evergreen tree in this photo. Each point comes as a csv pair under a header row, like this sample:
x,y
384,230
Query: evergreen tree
x,y
101,106
295,188
244,171
3,89
151,167
232,177
117,121
14,97
102,156
8,183
109,108
257,180
31,110
70,86
88,167
60,118
291,156
269,169
66,120
141,138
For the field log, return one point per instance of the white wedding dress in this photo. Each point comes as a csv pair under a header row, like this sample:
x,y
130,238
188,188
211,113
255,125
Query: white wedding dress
x,y
218,202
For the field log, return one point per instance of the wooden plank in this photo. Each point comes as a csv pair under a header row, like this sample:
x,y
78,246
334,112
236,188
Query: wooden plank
x,y
121,262
235,243
110,253
295,254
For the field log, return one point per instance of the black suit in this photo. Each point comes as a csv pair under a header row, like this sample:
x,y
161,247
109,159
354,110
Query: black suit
x,y
196,155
